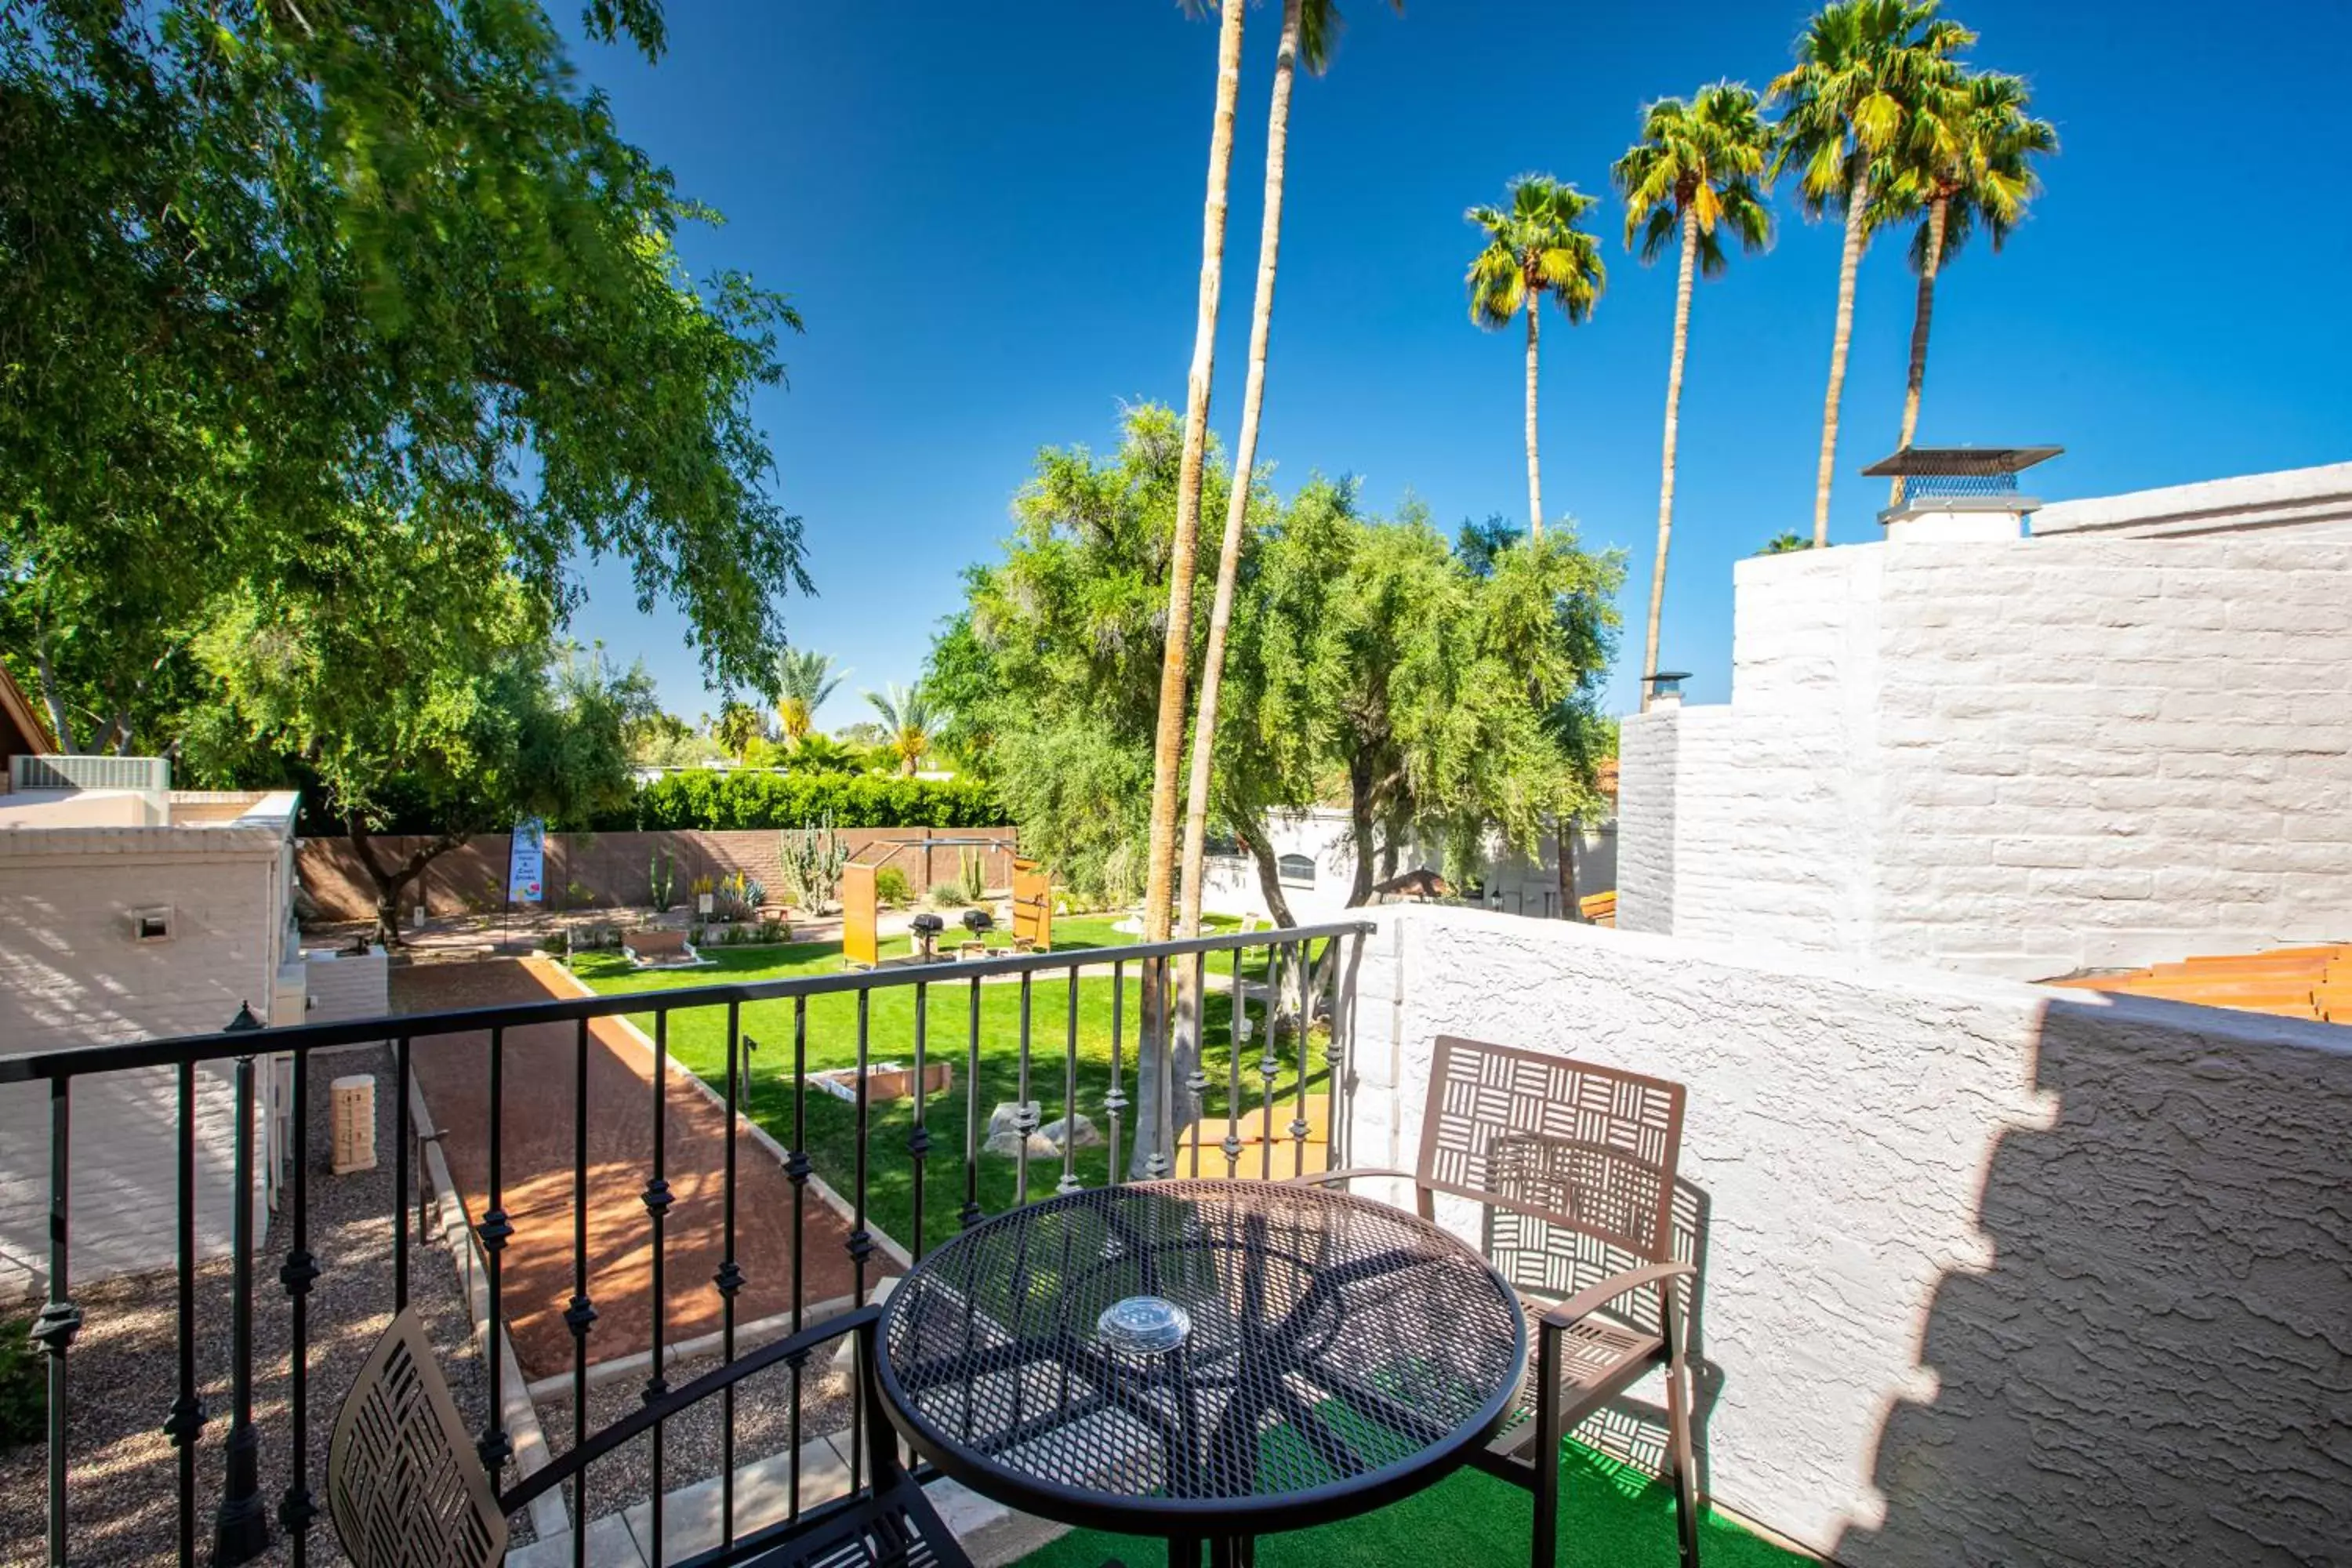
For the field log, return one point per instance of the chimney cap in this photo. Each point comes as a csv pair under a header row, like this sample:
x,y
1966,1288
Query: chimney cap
x,y
1958,462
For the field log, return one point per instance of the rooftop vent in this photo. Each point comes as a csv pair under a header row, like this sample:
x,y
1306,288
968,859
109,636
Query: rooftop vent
x,y
1957,494
149,774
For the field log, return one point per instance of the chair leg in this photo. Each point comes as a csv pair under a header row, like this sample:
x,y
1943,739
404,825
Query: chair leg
x,y
1680,1396
1545,1549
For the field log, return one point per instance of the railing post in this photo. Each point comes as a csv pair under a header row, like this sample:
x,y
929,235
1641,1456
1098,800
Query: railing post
x,y
241,1525
60,1320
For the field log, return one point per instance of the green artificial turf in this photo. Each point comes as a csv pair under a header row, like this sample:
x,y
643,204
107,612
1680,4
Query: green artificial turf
x,y
697,1039
1610,1517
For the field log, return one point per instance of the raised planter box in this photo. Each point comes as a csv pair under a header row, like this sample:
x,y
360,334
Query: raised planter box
x,y
884,1081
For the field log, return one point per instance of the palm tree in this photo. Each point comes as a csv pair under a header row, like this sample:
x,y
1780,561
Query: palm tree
x,y
805,678
1534,248
1967,164
909,719
1693,174
1785,542
1310,29
1863,69
1176,649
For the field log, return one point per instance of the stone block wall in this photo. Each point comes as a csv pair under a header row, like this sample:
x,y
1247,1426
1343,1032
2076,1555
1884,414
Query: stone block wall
x,y
1990,1273
614,867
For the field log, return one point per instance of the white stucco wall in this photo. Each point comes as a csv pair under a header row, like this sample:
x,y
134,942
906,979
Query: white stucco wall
x,y
71,973
1992,1273
2019,758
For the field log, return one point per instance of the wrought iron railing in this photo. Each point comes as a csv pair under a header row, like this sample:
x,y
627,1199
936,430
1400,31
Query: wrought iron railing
x,y
1307,979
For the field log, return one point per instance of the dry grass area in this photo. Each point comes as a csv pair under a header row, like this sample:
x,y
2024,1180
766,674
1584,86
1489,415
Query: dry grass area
x,y
123,1372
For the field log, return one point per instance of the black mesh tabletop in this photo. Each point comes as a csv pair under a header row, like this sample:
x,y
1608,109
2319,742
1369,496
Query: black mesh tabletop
x,y
1341,1353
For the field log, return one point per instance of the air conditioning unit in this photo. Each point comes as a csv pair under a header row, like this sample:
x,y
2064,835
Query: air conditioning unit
x,y
151,776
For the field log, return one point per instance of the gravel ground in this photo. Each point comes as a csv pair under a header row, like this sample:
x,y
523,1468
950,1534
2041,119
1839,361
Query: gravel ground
x,y
691,1441
123,1368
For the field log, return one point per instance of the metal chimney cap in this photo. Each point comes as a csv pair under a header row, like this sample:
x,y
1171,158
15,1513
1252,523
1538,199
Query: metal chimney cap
x,y
1957,462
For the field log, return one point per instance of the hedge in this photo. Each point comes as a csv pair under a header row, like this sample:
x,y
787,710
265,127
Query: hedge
x,y
712,801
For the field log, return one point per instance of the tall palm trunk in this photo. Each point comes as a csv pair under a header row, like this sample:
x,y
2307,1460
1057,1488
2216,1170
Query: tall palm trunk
x,y
1168,1045
1674,431
1938,213
1229,552
1848,265
1535,466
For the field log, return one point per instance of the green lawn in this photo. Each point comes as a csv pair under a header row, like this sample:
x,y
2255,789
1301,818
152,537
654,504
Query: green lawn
x,y
1610,1517
697,1039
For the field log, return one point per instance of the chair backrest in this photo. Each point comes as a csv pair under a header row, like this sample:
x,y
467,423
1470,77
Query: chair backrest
x,y
404,1485
1573,1161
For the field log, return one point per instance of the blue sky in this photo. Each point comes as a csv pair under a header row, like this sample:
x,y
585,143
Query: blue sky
x,y
989,218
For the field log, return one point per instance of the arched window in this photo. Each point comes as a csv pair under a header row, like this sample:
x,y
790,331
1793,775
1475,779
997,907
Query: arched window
x,y
1298,870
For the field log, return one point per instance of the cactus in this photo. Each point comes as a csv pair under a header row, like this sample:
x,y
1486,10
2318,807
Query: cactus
x,y
971,871
810,860
661,876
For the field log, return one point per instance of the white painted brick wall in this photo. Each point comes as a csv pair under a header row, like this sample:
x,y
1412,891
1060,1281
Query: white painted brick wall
x,y
2021,758
1994,1274
71,974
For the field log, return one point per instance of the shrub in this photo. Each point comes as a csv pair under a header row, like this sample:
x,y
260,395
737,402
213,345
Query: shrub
x,y
716,801
23,1386
890,885
949,895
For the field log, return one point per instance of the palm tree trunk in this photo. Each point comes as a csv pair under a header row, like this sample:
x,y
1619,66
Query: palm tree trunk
x,y
1673,432
1921,316
1153,1116
1848,264
1229,551
1535,468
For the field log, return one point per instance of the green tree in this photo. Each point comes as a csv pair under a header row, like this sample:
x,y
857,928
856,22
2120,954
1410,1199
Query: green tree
x,y
1692,176
1967,164
266,269
820,753
911,716
1865,69
1785,543
738,726
805,679
1310,30
1535,250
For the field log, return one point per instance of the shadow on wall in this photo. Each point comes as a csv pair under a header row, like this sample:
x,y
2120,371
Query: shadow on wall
x,y
2157,1365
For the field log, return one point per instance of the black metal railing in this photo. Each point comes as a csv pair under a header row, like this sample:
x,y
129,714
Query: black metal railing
x,y
1284,988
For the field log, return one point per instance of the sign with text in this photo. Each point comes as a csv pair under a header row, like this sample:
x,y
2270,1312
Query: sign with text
x,y
527,861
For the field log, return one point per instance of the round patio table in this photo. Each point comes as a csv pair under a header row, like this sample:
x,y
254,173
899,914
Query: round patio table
x,y
1284,1356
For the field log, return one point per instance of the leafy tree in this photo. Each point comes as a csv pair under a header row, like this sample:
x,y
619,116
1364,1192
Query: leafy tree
x,y
1535,250
1310,30
1966,164
1692,176
738,726
278,282
1864,70
401,706
911,718
805,679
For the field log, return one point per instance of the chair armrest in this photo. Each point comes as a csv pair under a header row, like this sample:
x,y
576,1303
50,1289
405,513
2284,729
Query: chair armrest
x,y
1325,1178
860,1321
1586,1302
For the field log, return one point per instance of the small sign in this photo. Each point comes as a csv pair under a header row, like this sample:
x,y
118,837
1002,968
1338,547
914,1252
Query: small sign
x,y
527,861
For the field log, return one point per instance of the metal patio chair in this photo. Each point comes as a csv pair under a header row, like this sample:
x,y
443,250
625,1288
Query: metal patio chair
x,y
1572,1165
406,1489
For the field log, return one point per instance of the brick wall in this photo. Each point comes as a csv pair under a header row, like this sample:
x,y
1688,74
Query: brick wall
x,y
2019,757
71,974
613,866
